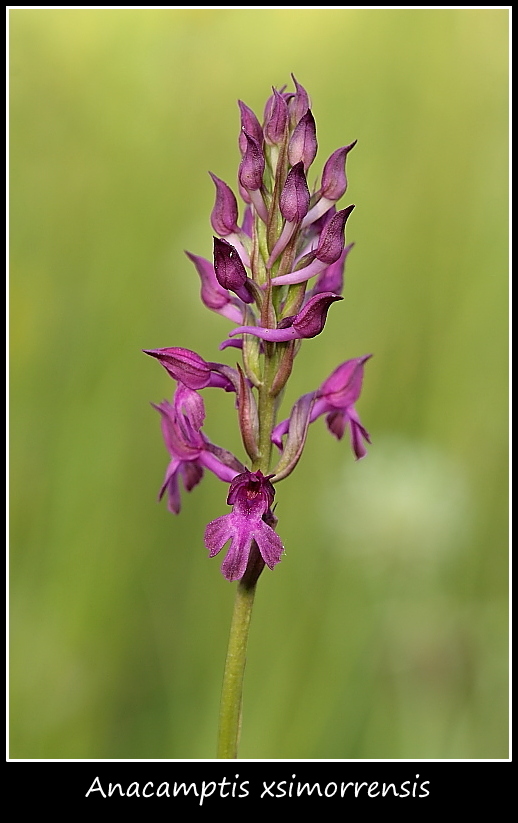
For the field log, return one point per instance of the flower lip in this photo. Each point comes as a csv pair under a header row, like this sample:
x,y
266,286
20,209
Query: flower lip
x,y
251,495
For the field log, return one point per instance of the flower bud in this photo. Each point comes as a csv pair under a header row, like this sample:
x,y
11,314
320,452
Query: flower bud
x,y
183,365
229,269
294,199
334,179
298,103
309,322
303,143
332,241
249,124
276,120
214,296
193,371
224,214
251,168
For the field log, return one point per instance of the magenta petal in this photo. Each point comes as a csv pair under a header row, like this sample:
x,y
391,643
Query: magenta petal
x,y
213,295
269,543
358,434
173,492
300,275
217,533
236,561
236,344
169,475
192,474
180,437
336,422
270,335
189,403
251,494
279,432
184,365
343,387
225,473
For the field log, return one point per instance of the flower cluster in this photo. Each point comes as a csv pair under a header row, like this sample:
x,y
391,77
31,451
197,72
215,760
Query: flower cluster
x,y
274,274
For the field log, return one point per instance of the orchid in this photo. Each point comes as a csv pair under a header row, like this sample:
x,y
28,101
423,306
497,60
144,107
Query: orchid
x,y
336,398
274,274
251,495
191,451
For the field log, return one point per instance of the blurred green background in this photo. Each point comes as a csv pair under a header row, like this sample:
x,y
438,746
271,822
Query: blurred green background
x,y
383,632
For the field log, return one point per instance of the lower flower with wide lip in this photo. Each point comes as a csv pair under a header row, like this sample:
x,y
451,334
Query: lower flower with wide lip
x,y
251,496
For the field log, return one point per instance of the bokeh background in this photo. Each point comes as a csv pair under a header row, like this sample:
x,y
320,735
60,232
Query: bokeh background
x,y
383,632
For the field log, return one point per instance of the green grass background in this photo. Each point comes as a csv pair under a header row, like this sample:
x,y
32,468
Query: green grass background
x,y
383,632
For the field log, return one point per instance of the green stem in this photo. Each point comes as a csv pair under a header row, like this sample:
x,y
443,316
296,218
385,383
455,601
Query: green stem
x,y
267,409
231,695
230,712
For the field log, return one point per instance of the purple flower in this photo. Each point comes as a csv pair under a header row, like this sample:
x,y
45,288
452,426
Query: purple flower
x,y
190,450
303,142
250,174
229,269
309,322
299,103
252,164
294,199
224,214
334,179
276,120
334,184
330,247
251,496
192,370
214,296
293,205
336,398
249,124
